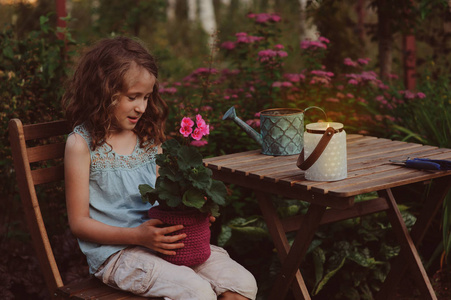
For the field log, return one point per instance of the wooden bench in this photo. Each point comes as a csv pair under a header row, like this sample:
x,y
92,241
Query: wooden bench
x,y
26,157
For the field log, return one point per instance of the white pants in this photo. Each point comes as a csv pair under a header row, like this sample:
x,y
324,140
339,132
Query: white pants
x,y
140,271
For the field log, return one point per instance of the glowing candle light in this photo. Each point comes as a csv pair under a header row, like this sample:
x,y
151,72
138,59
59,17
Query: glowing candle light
x,y
332,164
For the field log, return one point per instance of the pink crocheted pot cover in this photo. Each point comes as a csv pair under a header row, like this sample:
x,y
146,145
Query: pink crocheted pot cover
x,y
197,242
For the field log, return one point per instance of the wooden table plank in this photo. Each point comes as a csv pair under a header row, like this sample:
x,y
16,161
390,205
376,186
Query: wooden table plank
x,y
231,156
386,183
364,160
368,161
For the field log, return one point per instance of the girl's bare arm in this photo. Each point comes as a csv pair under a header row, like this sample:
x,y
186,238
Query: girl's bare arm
x,y
77,165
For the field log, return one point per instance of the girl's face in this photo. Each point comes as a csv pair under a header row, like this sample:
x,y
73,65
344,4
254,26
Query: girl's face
x,y
133,102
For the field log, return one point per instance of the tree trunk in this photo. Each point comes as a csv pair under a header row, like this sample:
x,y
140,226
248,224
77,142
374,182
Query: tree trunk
x,y
207,15
385,41
192,10
409,55
360,10
170,10
207,18
307,30
60,13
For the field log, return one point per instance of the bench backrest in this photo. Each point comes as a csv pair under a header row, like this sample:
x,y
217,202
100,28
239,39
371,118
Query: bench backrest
x,y
29,157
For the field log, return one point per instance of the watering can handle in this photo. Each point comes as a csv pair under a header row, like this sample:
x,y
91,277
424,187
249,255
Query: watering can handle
x,y
316,153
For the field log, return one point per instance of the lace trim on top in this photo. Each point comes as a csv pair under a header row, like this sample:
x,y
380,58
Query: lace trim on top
x,y
104,157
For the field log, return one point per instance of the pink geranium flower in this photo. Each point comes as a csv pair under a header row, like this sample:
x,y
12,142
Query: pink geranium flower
x,y
187,122
204,129
197,134
186,130
196,129
198,143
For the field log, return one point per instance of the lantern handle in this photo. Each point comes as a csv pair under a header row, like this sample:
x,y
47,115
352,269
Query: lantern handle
x,y
316,153
310,107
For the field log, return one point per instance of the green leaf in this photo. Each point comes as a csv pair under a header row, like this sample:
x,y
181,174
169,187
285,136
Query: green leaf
x,y
189,157
210,208
319,258
169,191
328,276
170,173
171,147
43,20
148,193
217,192
194,198
144,189
361,259
224,236
200,177
8,52
390,251
254,231
162,159
171,199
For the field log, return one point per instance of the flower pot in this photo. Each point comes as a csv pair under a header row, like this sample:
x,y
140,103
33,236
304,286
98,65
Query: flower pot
x,y
197,230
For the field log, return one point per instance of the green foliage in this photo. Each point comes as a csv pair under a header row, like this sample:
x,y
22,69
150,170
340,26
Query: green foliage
x,y
425,118
353,254
32,74
184,182
122,17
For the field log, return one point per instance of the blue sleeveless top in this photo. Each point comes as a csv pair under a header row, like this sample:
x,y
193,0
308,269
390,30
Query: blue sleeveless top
x,y
114,197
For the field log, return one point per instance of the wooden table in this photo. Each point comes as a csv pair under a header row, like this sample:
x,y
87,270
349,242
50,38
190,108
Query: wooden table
x,y
369,170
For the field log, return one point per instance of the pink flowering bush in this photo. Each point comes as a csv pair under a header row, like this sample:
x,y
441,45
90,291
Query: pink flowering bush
x,y
254,77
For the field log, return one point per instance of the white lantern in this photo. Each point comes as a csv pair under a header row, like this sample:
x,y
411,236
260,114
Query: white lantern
x,y
332,163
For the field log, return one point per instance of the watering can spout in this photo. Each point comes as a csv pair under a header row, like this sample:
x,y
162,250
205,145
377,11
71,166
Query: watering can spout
x,y
231,115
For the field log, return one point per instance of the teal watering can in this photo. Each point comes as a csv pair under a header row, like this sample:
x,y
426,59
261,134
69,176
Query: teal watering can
x,y
282,129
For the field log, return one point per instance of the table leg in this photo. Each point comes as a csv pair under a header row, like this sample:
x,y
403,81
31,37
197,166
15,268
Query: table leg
x,y
408,251
433,203
280,241
295,254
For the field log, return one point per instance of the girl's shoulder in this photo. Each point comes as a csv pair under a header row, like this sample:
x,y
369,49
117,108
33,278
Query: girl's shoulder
x,y
83,132
76,146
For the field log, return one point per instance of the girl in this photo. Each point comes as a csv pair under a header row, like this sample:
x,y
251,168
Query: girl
x,y
118,119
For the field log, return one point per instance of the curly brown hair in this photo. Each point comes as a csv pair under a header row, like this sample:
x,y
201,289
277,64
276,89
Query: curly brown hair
x,y
98,80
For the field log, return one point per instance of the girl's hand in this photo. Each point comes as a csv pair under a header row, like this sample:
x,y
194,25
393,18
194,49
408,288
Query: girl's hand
x,y
155,238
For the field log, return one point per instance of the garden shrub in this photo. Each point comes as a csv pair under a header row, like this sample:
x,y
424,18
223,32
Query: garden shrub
x,y
32,73
33,69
